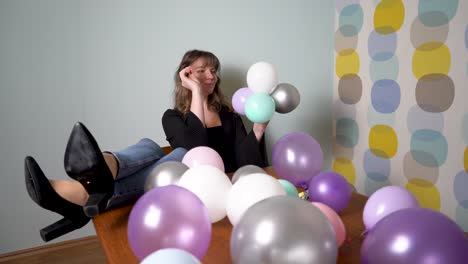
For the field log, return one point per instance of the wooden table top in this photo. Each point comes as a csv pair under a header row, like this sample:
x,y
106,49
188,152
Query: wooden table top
x,y
111,228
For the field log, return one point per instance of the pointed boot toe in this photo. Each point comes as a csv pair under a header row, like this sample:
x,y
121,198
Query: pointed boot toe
x,y
85,163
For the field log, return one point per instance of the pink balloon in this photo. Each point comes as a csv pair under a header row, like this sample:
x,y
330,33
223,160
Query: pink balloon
x,y
335,220
239,98
203,156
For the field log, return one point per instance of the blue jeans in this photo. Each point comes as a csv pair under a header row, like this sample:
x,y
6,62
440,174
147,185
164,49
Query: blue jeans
x,y
135,164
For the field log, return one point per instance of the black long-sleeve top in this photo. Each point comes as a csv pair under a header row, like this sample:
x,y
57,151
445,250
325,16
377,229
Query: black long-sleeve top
x,y
230,140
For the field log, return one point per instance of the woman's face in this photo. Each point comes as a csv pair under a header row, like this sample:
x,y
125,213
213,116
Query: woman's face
x,y
205,74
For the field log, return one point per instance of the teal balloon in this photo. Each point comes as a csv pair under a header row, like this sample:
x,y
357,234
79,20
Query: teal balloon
x,y
260,107
289,188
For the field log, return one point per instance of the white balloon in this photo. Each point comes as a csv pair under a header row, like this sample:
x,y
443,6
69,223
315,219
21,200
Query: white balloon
x,y
170,255
249,190
211,185
262,77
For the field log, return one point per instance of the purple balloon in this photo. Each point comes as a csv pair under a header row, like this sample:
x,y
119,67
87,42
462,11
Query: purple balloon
x,y
330,188
415,235
239,98
169,217
297,157
385,201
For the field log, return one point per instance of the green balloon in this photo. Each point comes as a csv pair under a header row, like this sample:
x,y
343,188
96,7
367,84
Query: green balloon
x,y
260,107
289,188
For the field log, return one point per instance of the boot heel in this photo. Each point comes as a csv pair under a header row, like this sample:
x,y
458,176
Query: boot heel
x,y
58,228
96,204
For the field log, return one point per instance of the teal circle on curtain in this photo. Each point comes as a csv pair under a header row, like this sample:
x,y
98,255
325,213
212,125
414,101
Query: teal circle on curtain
x,y
371,185
375,118
388,69
351,19
347,132
434,13
429,147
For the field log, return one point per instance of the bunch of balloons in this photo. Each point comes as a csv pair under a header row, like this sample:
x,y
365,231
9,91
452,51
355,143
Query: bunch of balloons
x,y
264,95
251,186
298,158
399,231
181,201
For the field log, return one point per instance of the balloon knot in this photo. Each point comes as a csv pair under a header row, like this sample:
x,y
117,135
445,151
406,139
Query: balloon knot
x,y
364,233
304,195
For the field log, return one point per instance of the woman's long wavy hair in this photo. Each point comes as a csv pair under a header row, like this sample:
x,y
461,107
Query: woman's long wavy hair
x,y
183,96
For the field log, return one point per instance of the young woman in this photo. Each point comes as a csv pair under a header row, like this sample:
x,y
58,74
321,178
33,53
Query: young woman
x,y
201,117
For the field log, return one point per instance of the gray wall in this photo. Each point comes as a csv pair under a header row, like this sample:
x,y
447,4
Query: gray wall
x,y
110,64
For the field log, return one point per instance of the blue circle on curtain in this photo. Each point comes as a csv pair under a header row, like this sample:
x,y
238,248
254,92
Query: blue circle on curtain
x,y
347,132
434,13
340,4
376,168
351,20
385,96
429,147
459,188
382,47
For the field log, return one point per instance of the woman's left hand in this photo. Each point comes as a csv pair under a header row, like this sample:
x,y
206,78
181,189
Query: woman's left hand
x,y
259,129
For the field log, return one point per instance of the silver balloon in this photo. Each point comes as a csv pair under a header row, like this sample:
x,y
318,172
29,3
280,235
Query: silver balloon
x,y
283,229
286,98
245,170
166,173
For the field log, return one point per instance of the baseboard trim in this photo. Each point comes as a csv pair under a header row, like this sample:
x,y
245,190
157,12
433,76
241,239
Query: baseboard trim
x,y
46,249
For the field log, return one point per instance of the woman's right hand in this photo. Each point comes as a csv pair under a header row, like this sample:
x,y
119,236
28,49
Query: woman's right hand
x,y
188,81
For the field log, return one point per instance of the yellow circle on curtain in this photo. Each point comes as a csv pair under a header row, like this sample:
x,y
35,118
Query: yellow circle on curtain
x,y
429,58
425,192
383,141
347,62
466,159
345,167
389,16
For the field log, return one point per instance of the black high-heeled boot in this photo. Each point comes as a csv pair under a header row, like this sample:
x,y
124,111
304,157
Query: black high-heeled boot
x,y
85,163
42,193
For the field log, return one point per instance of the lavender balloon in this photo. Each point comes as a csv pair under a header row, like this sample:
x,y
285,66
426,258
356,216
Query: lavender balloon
x,y
415,235
330,188
239,98
385,201
169,217
297,157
